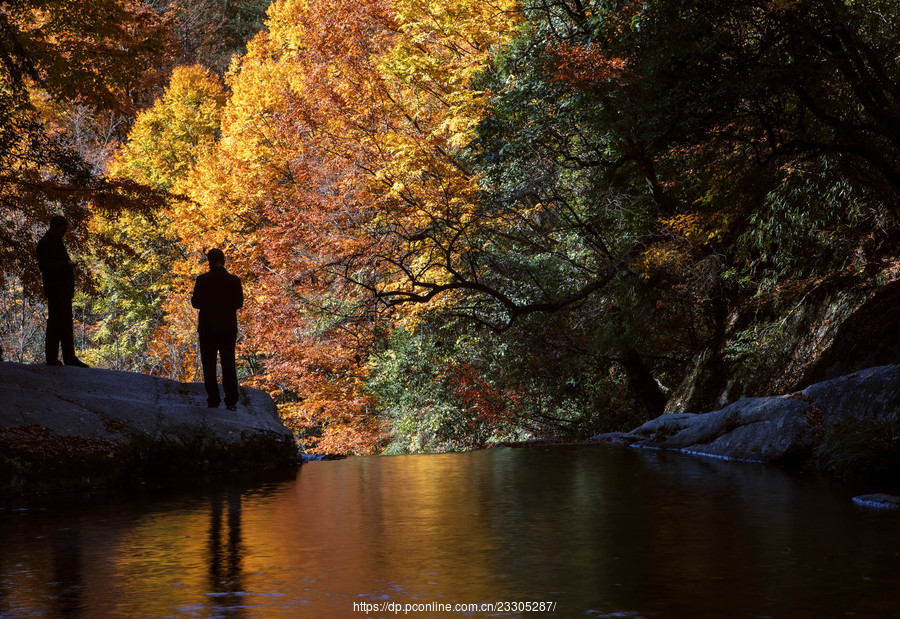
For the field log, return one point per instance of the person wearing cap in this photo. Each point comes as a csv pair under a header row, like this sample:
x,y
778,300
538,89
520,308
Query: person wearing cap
x,y
218,295
58,275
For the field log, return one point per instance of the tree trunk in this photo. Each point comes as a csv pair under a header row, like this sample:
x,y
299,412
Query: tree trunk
x,y
642,384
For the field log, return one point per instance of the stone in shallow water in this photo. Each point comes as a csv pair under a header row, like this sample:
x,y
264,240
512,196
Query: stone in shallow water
x,y
786,429
881,501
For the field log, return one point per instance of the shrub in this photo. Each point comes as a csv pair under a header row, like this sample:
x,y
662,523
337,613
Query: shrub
x,y
867,448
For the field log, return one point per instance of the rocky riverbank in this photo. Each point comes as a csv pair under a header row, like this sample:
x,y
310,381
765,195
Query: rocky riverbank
x,y
69,427
848,425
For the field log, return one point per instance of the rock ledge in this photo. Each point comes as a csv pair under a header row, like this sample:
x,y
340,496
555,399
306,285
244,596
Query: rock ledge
x,y
69,427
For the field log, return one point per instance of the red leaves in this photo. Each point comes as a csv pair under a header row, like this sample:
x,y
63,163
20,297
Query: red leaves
x,y
583,66
481,398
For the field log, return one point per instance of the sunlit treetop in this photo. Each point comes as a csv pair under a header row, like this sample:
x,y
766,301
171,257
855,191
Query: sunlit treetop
x,y
170,137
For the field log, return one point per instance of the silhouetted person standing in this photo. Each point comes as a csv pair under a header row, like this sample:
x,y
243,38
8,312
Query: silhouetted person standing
x,y
218,295
58,273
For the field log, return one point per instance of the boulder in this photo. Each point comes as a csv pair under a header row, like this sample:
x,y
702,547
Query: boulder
x,y
63,427
788,429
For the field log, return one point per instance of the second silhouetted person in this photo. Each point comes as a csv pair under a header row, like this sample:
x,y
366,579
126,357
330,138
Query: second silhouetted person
x,y
218,295
58,273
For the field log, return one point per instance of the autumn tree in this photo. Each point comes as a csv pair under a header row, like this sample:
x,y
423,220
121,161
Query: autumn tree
x,y
754,129
334,111
210,32
57,56
690,148
152,266
475,221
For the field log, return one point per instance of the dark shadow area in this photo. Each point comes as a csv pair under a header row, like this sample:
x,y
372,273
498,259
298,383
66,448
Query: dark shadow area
x,y
869,338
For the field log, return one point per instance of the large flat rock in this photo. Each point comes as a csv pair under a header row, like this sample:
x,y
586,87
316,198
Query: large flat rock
x,y
777,429
89,426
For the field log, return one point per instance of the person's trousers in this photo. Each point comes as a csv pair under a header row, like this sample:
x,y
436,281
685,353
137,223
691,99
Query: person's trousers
x,y
221,345
60,330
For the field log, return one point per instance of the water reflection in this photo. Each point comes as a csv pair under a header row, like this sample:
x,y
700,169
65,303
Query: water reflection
x,y
225,555
67,584
599,531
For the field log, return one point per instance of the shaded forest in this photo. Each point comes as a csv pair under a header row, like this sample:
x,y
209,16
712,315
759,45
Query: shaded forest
x,y
458,222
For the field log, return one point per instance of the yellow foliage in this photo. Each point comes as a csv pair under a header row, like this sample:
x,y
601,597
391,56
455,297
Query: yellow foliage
x,y
342,118
181,126
687,235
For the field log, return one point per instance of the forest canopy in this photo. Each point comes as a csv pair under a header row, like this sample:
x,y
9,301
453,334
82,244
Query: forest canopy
x,y
458,223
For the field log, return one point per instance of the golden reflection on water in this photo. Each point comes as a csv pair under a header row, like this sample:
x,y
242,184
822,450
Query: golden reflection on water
x,y
403,529
599,532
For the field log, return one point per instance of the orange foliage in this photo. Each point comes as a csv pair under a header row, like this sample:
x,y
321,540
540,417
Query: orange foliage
x,y
336,148
174,344
487,402
331,165
584,66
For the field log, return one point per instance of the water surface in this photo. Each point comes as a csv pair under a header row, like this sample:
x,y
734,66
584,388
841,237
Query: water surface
x,y
597,530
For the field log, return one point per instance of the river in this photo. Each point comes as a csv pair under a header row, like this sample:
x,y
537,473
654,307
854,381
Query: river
x,y
589,531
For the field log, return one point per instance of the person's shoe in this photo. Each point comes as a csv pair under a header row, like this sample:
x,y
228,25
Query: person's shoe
x,y
231,407
54,362
78,363
211,405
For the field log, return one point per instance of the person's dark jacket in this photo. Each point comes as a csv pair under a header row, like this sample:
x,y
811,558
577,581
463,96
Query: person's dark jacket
x,y
56,267
218,295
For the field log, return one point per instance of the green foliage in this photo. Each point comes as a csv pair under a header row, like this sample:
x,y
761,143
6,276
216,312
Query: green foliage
x,y
809,224
662,163
418,389
448,387
132,282
754,348
867,448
